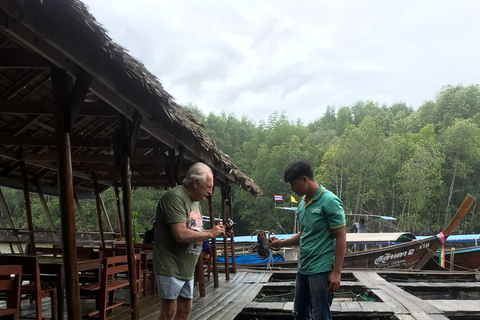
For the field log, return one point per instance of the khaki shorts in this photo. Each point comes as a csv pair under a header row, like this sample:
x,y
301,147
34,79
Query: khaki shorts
x,y
170,288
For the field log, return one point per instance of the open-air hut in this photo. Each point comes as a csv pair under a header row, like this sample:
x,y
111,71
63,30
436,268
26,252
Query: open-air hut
x,y
79,115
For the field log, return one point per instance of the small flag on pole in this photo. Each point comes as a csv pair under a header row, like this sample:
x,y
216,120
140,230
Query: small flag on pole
x,y
278,197
292,199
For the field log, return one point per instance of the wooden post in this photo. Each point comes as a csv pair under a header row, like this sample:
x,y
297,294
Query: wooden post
x,y
126,191
213,250
60,85
119,209
125,152
452,258
232,240
225,239
6,212
81,215
28,208
201,275
46,211
99,211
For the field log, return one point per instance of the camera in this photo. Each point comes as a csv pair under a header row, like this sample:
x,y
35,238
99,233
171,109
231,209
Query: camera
x,y
229,223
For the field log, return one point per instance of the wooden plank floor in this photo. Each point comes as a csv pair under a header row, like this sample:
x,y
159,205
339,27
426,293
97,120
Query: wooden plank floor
x,y
237,295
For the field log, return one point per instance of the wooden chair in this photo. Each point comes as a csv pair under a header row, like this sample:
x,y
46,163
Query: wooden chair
x,y
33,290
10,286
109,282
207,264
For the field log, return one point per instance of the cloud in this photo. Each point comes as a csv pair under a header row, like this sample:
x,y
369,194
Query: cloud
x,y
254,57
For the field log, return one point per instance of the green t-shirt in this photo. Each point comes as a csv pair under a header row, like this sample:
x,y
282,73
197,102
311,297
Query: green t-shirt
x,y
171,258
317,243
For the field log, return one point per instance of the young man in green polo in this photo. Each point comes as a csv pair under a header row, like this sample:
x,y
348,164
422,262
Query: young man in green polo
x,y
322,241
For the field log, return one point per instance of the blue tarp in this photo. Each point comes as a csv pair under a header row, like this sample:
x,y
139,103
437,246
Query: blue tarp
x,y
254,238
250,258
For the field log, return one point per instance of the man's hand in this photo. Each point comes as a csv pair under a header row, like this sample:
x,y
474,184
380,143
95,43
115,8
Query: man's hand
x,y
229,232
334,282
275,242
218,230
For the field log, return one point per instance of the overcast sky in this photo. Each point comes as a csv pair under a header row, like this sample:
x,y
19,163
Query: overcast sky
x,y
255,57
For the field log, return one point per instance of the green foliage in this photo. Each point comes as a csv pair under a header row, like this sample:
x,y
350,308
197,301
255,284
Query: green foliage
x,y
388,160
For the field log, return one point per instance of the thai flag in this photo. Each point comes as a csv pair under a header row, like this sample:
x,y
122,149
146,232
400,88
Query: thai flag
x,y
278,197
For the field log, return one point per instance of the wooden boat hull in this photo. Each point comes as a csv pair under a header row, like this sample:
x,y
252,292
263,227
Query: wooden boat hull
x,y
407,255
463,260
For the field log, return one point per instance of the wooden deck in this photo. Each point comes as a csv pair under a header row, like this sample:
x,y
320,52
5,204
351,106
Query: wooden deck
x,y
236,297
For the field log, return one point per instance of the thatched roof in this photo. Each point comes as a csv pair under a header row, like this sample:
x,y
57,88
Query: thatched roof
x,y
36,36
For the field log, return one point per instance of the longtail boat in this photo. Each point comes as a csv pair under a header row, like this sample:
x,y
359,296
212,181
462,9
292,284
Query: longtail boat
x,y
407,255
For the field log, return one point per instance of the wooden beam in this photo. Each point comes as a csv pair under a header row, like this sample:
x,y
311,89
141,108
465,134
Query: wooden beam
x,y
75,142
45,107
108,81
19,127
34,158
78,93
21,58
118,177
133,132
141,167
60,83
9,169
4,152
19,85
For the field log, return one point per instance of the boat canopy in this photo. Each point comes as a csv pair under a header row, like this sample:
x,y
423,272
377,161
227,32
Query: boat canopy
x,y
364,238
378,238
475,238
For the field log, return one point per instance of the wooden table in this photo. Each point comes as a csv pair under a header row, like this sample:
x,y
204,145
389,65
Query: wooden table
x,y
54,266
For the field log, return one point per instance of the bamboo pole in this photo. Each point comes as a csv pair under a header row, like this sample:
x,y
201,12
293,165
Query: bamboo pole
x,y
225,239
99,211
119,209
6,212
46,211
213,251
104,210
28,208
232,237
81,215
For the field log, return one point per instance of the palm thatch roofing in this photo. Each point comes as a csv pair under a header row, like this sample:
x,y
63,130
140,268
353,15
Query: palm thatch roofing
x,y
40,36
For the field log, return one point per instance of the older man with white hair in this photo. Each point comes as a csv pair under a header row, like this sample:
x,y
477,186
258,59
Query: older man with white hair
x,y
178,240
